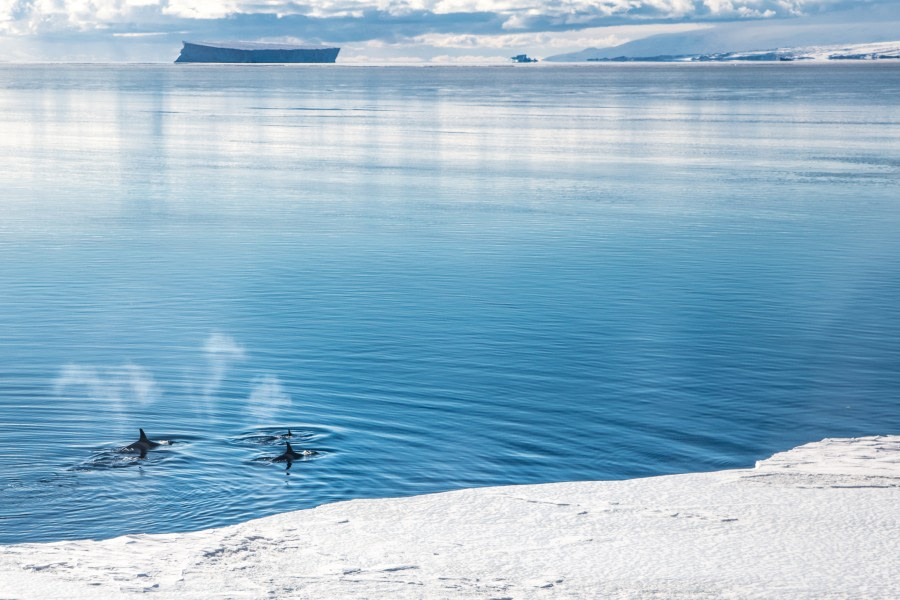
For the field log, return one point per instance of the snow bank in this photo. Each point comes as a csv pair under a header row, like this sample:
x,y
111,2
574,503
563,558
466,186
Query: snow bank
x,y
820,521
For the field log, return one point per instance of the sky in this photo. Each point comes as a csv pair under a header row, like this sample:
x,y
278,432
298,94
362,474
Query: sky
x,y
434,31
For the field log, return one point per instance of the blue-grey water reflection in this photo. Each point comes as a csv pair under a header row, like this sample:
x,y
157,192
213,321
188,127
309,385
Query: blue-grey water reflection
x,y
437,277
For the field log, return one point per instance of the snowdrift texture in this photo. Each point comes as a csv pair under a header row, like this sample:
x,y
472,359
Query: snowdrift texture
x,y
820,521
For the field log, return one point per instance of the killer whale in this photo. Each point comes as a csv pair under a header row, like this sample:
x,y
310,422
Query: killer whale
x,y
142,445
290,456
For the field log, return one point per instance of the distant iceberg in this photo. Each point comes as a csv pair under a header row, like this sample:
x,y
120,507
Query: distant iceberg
x,y
254,52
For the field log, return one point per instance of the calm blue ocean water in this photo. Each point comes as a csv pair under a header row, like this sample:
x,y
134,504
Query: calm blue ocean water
x,y
436,277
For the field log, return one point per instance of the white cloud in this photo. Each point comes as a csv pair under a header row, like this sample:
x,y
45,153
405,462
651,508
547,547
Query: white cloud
x,y
436,48
32,16
594,37
199,9
469,59
375,30
752,8
142,34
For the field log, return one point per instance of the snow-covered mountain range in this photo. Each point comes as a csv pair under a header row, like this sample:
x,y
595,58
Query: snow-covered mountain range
x,y
868,31
877,51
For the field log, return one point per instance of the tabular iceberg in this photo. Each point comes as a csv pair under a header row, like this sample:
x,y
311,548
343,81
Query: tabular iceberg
x,y
254,52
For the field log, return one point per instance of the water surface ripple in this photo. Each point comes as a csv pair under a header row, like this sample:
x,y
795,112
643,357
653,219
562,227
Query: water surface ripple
x,y
436,277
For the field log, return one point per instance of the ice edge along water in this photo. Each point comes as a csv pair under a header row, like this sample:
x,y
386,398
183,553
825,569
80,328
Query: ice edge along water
x,y
819,521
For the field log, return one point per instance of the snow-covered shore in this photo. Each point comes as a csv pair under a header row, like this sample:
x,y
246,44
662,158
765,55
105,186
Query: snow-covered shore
x,y
819,521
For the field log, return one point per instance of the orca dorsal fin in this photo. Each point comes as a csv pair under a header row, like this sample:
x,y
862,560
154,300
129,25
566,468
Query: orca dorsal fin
x,y
144,437
289,449
290,434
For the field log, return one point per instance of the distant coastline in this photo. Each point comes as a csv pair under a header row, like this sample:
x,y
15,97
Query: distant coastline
x,y
868,51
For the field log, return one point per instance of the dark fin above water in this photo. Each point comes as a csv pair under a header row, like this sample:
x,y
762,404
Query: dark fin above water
x,y
288,456
145,440
142,445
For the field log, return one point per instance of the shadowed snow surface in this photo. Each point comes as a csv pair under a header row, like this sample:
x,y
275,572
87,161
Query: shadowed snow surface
x,y
819,521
